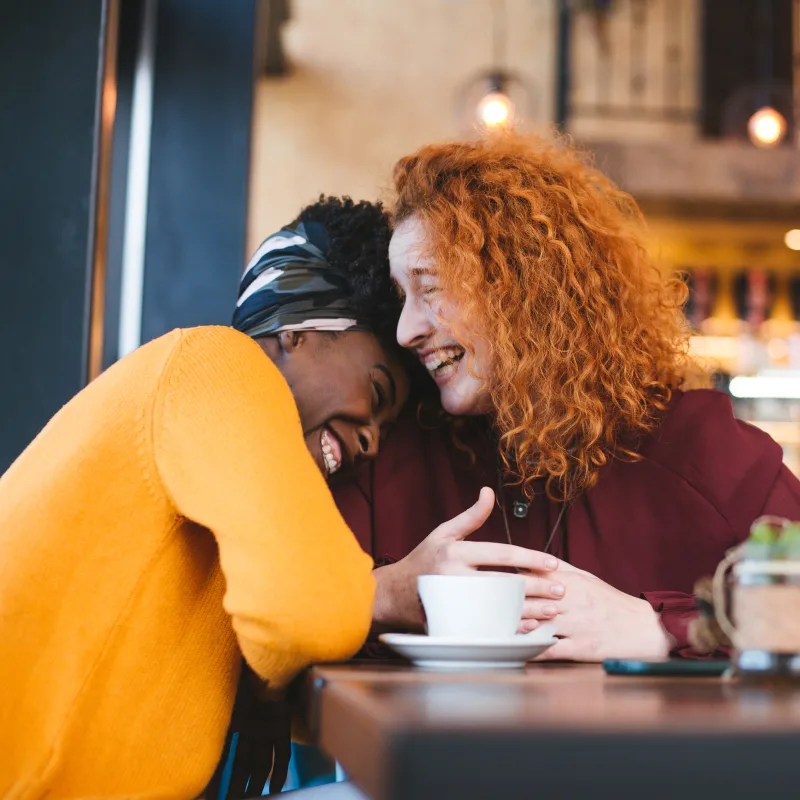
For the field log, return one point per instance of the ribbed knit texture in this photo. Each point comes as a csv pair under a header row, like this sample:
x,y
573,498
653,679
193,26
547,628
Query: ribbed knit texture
x,y
166,520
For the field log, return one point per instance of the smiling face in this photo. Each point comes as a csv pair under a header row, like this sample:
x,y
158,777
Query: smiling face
x,y
348,390
426,325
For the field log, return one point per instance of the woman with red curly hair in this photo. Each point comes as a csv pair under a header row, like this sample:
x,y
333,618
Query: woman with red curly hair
x,y
532,302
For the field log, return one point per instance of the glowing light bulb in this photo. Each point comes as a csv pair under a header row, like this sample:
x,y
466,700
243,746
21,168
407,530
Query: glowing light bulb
x,y
766,127
495,110
792,239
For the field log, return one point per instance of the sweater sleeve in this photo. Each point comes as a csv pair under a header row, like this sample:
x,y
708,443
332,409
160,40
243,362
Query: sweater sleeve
x,y
230,451
677,610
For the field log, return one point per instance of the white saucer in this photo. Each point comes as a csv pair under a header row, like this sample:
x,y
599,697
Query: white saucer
x,y
458,654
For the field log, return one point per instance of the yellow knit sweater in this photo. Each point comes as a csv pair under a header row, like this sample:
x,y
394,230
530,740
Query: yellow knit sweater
x,y
167,520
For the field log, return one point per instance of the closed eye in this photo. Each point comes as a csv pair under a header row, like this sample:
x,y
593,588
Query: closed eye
x,y
381,391
381,397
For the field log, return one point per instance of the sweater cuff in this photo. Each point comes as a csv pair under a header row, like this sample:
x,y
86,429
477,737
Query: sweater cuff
x,y
676,611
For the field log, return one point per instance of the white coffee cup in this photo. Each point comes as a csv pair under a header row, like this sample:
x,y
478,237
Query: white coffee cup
x,y
479,606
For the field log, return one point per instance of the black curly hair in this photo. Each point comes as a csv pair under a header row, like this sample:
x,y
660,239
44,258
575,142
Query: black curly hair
x,y
359,236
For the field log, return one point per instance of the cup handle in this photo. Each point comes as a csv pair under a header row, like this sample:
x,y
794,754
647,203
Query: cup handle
x,y
718,592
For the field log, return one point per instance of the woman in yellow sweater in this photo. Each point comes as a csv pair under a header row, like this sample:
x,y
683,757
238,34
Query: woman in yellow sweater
x,y
175,515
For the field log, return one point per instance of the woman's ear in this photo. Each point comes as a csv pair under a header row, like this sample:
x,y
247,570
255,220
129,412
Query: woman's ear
x,y
289,341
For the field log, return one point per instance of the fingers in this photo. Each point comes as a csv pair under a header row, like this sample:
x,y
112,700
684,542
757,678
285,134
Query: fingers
x,y
528,625
539,609
471,555
468,521
546,586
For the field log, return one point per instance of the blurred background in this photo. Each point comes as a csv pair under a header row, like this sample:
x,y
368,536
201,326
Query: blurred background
x,y
149,145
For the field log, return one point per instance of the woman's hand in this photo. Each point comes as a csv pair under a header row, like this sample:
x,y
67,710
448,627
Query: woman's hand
x,y
594,619
597,621
444,552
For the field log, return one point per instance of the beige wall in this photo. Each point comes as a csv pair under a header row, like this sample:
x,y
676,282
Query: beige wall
x,y
372,80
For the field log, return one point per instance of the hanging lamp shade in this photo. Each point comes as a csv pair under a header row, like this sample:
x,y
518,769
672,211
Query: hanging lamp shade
x,y
494,99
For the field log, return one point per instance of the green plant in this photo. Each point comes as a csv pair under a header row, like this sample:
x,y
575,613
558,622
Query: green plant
x,y
774,538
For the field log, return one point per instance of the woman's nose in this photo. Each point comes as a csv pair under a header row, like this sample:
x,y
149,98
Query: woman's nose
x,y
369,439
413,327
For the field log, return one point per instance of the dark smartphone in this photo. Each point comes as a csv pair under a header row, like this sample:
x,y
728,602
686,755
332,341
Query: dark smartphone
x,y
677,667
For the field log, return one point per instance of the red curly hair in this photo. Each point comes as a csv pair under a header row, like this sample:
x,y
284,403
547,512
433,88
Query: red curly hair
x,y
546,256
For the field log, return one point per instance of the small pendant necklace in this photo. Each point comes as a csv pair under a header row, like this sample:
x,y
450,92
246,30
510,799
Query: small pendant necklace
x,y
501,502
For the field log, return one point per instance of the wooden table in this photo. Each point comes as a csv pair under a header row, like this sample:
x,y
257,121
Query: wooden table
x,y
555,731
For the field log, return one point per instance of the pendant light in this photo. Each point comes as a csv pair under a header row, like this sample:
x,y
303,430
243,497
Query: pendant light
x,y
496,98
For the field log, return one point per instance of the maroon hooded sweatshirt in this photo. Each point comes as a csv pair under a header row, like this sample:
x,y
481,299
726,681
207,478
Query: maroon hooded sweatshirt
x,y
650,528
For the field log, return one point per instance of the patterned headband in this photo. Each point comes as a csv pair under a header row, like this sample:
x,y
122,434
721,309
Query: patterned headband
x,y
289,286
